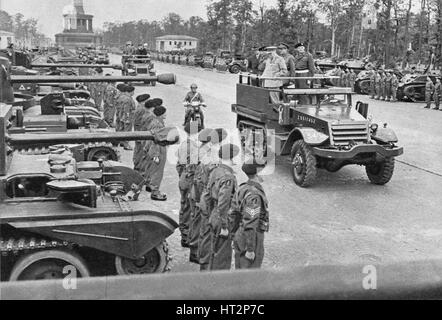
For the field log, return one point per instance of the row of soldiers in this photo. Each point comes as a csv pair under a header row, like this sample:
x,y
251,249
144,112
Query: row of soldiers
x,y
346,77
215,212
383,85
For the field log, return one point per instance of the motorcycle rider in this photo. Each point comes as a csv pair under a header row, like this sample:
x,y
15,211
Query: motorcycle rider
x,y
193,96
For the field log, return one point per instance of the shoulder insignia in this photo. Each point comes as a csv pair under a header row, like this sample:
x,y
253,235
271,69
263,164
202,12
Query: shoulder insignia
x,y
252,211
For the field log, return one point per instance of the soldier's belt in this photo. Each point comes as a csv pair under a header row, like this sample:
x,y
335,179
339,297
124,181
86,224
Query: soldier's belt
x,y
302,71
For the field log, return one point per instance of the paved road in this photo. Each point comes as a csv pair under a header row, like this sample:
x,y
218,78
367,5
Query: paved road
x,y
342,219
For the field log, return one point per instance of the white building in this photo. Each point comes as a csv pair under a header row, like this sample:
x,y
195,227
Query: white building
x,y
176,42
6,38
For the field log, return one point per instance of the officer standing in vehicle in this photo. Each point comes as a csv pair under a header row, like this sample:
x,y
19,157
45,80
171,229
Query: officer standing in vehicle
x,y
429,91
283,51
157,156
394,86
138,121
221,189
109,98
274,66
304,66
187,155
250,219
209,162
437,94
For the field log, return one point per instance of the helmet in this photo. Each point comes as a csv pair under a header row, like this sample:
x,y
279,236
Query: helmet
x,y
194,85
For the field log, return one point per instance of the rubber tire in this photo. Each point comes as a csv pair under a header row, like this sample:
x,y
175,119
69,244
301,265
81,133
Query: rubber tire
x,y
381,172
163,251
26,262
235,69
309,173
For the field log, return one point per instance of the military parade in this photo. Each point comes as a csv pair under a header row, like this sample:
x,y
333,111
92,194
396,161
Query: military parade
x,y
198,148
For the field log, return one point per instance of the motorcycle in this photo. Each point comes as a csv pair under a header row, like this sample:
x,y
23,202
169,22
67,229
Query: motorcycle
x,y
195,114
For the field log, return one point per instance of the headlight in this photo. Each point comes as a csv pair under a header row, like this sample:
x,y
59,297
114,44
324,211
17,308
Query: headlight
x,y
374,127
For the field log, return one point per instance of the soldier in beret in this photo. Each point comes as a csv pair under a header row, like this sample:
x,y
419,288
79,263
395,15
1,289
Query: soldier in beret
x,y
209,160
110,96
127,113
121,87
156,156
221,189
250,220
138,118
97,90
187,155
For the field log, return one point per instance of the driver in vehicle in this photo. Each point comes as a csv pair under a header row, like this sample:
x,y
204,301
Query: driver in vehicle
x,y
192,96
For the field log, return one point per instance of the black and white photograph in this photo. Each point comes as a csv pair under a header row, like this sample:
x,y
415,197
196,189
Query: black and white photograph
x,y
239,151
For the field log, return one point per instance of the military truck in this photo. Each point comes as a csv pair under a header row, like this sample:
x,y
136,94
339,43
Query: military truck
x,y
315,128
139,65
60,215
412,86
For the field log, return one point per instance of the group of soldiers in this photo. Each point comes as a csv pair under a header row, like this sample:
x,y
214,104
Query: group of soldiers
x,y
216,214
346,77
122,112
383,85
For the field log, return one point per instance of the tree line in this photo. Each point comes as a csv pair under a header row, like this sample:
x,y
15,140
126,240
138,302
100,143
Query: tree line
x,y
25,30
334,26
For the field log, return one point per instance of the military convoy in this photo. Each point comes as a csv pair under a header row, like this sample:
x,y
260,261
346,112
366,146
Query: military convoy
x,y
315,128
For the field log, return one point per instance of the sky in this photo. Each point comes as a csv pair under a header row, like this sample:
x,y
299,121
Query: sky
x,y
49,12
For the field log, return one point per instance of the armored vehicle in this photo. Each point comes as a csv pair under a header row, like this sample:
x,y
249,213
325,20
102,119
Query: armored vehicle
x,y
412,87
362,83
61,215
139,65
315,129
238,64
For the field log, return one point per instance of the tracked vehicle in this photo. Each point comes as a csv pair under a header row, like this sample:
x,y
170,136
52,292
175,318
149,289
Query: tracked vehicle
x,y
314,128
59,213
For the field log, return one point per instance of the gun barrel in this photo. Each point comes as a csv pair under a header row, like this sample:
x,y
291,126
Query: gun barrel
x,y
35,140
75,65
167,78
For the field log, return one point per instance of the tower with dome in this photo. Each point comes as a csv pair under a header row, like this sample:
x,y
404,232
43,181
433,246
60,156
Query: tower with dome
x,y
77,28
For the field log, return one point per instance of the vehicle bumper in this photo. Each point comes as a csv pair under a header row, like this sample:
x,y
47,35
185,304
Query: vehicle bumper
x,y
357,150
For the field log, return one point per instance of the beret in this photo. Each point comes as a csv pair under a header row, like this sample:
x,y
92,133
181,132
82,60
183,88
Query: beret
x,y
121,87
284,45
218,135
250,169
205,135
149,104
99,70
300,44
228,151
143,97
157,102
192,128
159,111
130,89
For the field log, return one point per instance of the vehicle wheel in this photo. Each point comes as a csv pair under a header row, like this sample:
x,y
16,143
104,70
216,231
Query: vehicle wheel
x,y
101,154
303,164
381,172
48,264
235,69
155,261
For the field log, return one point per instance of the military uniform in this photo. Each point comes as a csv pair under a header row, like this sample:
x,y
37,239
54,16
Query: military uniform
x,y
383,86
250,219
352,77
437,94
125,107
186,166
372,84
221,188
377,82
99,89
139,117
388,87
394,87
110,96
429,90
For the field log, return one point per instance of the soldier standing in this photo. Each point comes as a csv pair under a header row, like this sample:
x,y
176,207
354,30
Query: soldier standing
x,y
128,107
157,156
221,189
377,82
437,94
119,106
274,66
304,66
138,121
343,80
387,85
429,90
352,78
250,218
98,90
187,155
394,86
209,162
372,84
109,98
283,51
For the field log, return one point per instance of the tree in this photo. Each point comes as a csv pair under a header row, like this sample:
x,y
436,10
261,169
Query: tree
x,y
243,15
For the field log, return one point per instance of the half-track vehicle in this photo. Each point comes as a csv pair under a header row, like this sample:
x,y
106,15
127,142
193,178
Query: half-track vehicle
x,y
139,65
315,129
412,86
59,214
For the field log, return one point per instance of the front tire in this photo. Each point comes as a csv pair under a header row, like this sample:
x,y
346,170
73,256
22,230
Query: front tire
x,y
235,69
303,164
380,173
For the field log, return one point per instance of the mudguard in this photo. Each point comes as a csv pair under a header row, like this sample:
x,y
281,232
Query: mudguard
x,y
309,135
384,135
